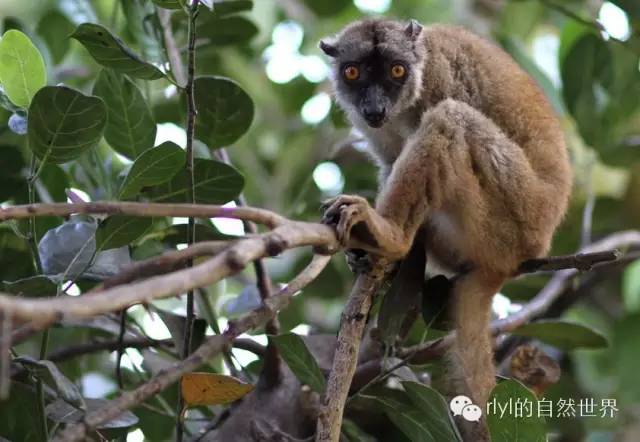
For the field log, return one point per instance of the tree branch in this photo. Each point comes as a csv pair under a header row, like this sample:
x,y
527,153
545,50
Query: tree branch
x,y
230,261
210,348
259,216
354,318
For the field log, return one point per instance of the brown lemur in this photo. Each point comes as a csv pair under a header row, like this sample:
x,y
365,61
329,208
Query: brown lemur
x,y
469,151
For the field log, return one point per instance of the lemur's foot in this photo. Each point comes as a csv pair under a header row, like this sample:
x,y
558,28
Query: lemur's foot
x,y
344,212
358,261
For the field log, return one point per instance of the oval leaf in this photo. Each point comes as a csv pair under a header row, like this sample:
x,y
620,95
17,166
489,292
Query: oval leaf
x,y
225,111
215,183
211,389
228,30
300,360
63,123
509,427
119,231
48,372
563,334
54,28
34,286
109,51
228,7
402,412
170,4
153,167
130,127
435,409
22,71
60,411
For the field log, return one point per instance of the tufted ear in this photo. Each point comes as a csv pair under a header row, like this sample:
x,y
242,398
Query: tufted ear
x,y
413,29
328,48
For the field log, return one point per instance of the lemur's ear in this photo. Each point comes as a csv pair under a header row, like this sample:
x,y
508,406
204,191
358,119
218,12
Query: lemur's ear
x,y
328,48
413,29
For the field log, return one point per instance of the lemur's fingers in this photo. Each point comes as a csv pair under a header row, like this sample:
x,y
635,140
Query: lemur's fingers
x,y
333,207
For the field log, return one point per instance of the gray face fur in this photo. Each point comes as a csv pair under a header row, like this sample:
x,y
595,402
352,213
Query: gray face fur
x,y
373,48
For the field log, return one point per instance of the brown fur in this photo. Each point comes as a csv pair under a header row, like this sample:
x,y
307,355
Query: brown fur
x,y
479,159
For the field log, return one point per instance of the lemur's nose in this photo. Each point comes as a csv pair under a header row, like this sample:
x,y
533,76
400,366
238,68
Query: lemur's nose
x,y
375,117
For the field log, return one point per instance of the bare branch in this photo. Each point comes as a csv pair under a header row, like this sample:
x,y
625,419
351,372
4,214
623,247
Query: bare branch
x,y
259,216
211,347
352,326
579,261
167,262
232,260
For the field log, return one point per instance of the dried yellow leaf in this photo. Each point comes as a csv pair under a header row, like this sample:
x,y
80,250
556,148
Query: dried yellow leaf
x,y
212,389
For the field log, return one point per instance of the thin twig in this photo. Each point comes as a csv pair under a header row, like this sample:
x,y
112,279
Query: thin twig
x,y
271,362
121,347
191,231
173,54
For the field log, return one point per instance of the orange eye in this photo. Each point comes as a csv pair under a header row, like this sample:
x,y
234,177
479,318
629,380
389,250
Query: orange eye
x,y
398,71
351,73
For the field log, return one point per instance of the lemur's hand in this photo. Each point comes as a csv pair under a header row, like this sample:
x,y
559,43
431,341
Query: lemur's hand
x,y
344,212
359,226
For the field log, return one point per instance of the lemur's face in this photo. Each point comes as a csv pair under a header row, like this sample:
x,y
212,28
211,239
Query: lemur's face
x,y
377,71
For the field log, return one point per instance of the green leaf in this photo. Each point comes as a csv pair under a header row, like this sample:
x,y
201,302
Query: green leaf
x,y
631,287
585,70
170,4
55,29
119,230
215,183
154,166
233,30
402,412
33,287
509,427
562,334
177,234
109,51
435,410
300,360
225,111
228,7
144,27
60,411
328,8
64,123
22,71
130,127
625,358
49,373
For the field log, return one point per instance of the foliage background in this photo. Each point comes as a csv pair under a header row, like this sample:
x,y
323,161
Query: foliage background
x,y
298,151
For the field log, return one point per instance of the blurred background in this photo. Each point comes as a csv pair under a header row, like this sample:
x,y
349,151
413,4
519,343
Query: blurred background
x,y
299,151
